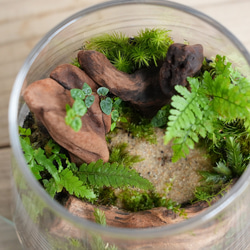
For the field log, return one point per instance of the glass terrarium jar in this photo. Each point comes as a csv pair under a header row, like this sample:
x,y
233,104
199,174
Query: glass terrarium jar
x,y
38,218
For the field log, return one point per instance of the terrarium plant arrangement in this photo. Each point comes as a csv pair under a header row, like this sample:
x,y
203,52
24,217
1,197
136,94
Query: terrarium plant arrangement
x,y
94,124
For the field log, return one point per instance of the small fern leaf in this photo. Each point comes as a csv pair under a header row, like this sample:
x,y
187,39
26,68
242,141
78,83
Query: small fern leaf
x,y
74,186
50,186
234,156
46,163
223,169
188,119
101,174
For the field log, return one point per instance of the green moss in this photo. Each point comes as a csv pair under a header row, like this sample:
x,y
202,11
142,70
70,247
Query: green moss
x,y
131,53
75,62
106,196
137,200
143,131
136,125
208,192
120,154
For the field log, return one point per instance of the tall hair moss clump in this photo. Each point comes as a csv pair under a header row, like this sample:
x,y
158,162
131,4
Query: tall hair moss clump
x,y
131,53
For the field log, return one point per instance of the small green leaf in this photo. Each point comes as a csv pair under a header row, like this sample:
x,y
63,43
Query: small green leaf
x,y
123,119
77,93
75,186
212,177
160,119
102,91
50,186
100,174
79,107
115,115
100,217
221,168
76,124
117,102
36,171
106,106
67,107
89,100
24,131
28,150
70,116
46,163
113,125
86,89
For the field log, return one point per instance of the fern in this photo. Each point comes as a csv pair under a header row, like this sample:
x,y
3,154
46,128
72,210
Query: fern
x,y
74,186
48,164
210,192
235,158
232,166
227,99
213,98
222,169
42,165
187,120
51,187
100,174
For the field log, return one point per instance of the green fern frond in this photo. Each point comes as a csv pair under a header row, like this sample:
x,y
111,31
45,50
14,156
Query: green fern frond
x,y
222,169
42,160
213,99
101,174
234,156
75,186
187,120
226,99
234,128
51,187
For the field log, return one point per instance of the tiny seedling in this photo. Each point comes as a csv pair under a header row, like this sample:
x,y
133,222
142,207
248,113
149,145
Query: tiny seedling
x,y
84,99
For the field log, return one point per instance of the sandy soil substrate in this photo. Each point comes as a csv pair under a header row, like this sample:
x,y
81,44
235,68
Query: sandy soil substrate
x,y
182,177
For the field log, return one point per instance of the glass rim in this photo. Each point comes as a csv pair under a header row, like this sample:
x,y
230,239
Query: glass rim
x,y
132,233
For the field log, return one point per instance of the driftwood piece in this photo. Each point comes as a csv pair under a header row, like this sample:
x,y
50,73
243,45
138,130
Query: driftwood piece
x,y
182,61
115,217
47,100
147,89
71,77
141,89
157,217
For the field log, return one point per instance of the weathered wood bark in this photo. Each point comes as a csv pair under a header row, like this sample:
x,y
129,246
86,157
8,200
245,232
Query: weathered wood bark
x,y
147,89
47,100
115,217
141,89
157,217
182,61
71,77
